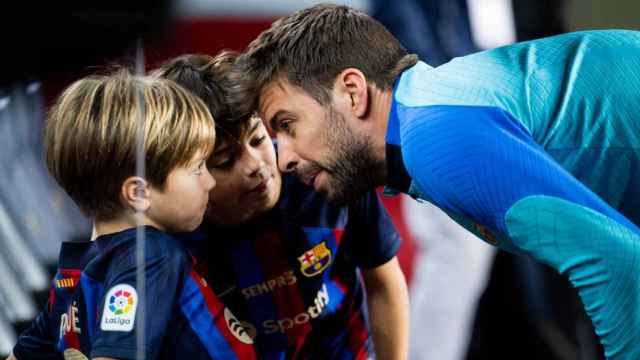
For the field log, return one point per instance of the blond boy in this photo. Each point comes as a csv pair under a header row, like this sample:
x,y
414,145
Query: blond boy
x,y
92,138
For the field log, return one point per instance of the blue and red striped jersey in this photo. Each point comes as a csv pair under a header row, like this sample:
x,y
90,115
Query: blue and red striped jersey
x,y
95,305
292,276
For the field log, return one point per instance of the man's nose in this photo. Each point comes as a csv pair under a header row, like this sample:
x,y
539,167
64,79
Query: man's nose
x,y
287,158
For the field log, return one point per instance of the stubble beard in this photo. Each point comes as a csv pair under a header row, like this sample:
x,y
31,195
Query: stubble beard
x,y
352,167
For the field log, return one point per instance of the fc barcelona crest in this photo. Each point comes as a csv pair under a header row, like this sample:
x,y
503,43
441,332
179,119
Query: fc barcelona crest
x,y
314,261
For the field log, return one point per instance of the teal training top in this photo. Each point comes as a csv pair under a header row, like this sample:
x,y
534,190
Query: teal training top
x,y
535,147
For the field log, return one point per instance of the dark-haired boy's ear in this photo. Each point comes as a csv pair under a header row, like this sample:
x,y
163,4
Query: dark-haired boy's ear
x,y
353,84
135,194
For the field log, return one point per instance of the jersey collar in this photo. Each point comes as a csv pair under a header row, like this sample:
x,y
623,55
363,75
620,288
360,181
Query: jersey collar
x,y
398,179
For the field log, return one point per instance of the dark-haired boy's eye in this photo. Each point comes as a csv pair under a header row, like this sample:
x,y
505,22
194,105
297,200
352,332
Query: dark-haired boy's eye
x,y
221,164
257,141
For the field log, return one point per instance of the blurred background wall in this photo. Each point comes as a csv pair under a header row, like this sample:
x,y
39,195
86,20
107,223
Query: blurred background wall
x,y
599,14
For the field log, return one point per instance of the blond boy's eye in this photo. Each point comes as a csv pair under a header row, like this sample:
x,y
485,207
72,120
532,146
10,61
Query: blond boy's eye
x,y
199,168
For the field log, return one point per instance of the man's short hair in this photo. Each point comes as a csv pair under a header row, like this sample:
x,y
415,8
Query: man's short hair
x,y
206,77
93,129
310,48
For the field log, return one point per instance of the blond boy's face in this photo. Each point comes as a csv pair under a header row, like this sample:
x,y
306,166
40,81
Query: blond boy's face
x,y
247,177
181,205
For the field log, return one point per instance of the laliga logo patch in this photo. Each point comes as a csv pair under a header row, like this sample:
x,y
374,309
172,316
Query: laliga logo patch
x,y
314,261
119,310
237,327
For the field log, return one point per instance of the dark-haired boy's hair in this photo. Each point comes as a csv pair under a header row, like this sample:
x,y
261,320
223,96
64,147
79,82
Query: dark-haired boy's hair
x,y
205,76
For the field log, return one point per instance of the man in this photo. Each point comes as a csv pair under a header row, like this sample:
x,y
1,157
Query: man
x,y
533,147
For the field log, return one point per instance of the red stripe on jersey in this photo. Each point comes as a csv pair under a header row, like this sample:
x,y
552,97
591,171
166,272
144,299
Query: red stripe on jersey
x,y
216,308
52,298
338,234
71,339
297,349
287,299
358,334
337,280
70,273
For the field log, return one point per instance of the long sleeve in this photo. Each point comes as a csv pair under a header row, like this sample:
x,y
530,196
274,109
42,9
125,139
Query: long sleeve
x,y
480,164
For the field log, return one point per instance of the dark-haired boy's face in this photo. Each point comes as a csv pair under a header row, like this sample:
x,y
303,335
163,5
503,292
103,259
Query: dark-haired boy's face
x,y
316,142
247,177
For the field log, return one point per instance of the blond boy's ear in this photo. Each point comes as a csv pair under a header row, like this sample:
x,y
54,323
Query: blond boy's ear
x,y
135,194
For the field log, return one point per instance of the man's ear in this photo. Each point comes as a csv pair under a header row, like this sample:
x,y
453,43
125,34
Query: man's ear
x,y
135,193
352,83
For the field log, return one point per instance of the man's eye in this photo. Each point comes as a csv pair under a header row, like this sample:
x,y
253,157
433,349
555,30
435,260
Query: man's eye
x,y
285,125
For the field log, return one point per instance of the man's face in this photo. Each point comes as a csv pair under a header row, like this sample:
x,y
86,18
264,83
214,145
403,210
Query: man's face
x,y
318,144
247,177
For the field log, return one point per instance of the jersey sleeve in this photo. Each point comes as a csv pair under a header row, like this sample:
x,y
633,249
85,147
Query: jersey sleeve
x,y
481,163
372,238
123,310
37,342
